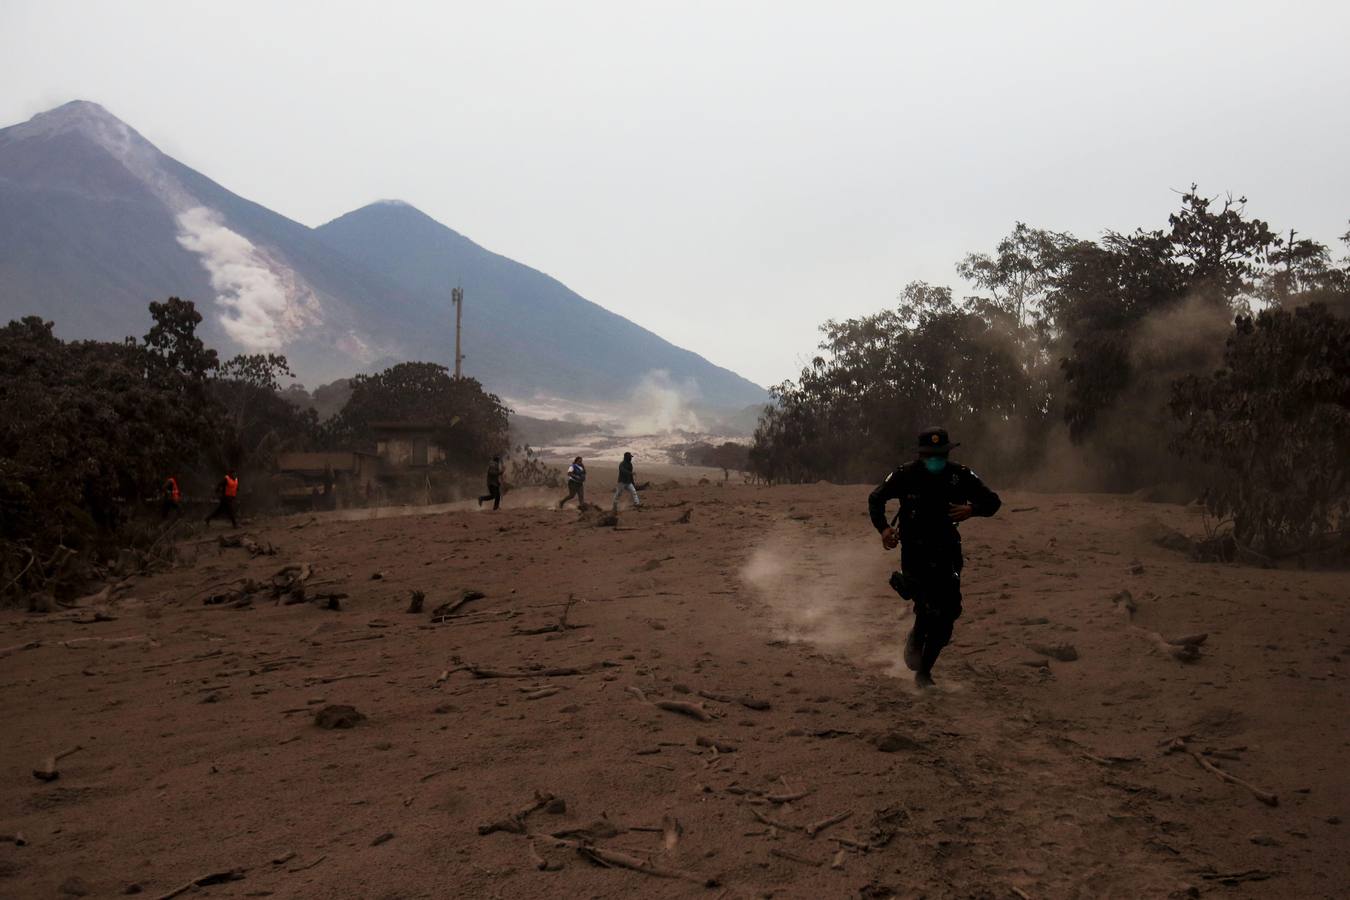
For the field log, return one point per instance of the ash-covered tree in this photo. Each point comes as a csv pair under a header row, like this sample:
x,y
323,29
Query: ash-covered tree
x,y
97,426
1273,426
468,423
852,414
254,420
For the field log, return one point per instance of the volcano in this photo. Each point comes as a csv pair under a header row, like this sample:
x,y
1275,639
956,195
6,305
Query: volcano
x,y
96,222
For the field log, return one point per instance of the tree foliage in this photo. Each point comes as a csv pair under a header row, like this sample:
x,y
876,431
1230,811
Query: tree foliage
x,y
1090,334
468,423
1274,426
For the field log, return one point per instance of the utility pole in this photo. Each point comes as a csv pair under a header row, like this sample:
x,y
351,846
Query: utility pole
x,y
457,298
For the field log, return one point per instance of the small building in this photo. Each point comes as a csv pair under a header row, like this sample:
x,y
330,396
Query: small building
x,y
327,479
402,445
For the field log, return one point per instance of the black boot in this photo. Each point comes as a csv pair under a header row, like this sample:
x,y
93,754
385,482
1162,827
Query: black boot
x,y
924,676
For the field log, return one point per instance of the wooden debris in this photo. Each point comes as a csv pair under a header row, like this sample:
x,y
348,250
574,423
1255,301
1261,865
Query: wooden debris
x,y
338,716
613,858
515,822
1185,649
308,865
558,627
445,611
48,771
671,831
1061,652
838,861
542,864
206,881
78,643
17,648
817,827
386,836
694,710
542,693
774,823
558,672
1179,745
789,855
718,745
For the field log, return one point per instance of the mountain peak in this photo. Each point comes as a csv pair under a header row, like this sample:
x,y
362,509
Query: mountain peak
x,y
86,118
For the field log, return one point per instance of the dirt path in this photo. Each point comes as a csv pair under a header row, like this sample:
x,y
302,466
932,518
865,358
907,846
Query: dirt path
x,y
1020,776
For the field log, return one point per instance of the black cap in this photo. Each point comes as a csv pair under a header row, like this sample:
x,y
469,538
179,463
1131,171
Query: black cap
x,y
934,442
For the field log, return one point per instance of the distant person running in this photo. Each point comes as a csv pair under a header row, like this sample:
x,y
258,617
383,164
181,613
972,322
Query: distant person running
x,y
576,484
228,492
935,497
170,498
494,484
626,483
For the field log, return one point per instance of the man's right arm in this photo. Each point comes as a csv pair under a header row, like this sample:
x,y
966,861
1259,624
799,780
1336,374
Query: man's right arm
x,y
876,501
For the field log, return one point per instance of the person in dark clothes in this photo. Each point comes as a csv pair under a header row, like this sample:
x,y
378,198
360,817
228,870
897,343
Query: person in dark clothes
x,y
228,492
170,498
626,483
576,484
935,496
494,484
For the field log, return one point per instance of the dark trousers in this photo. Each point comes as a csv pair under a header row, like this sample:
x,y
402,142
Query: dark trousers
x,y
574,489
224,508
932,576
168,507
494,494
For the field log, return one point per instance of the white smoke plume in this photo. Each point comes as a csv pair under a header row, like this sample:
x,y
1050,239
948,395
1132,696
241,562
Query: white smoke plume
x,y
265,304
660,404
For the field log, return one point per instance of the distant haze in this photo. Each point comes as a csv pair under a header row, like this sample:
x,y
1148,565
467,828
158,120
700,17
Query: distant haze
x,y
727,175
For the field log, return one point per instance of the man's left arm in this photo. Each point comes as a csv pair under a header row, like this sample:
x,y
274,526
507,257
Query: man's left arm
x,y
983,501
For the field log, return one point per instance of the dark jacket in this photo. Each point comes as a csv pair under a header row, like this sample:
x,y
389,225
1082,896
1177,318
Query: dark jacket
x,y
626,472
494,474
923,520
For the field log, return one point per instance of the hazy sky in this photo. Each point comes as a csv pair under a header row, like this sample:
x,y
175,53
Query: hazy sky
x,y
726,174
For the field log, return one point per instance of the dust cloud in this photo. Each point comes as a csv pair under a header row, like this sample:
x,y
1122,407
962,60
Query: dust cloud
x,y
831,593
659,404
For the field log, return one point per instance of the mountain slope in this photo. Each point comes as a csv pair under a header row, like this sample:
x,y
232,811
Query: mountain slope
x,y
96,222
523,330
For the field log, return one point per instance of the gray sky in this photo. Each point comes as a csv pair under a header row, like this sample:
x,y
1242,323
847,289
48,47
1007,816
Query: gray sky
x,y
726,174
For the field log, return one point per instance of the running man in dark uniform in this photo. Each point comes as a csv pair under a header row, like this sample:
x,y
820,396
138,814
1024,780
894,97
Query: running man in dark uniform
x,y
494,484
935,496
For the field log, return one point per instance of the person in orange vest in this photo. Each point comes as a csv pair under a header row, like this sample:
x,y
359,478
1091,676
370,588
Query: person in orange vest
x,y
228,491
171,497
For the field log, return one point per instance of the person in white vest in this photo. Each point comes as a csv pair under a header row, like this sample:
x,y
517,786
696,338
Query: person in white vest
x,y
576,484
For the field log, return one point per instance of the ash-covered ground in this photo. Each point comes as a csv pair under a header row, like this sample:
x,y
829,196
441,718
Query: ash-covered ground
x,y
1067,751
